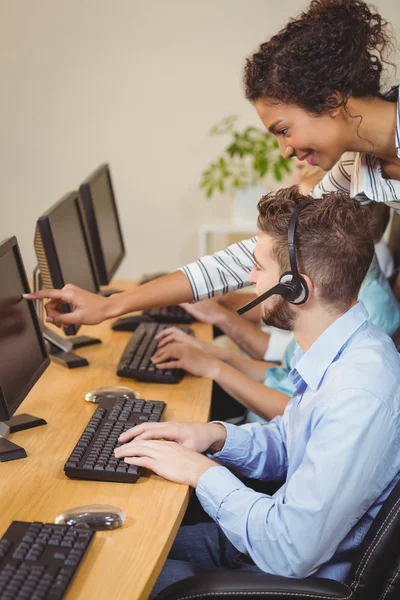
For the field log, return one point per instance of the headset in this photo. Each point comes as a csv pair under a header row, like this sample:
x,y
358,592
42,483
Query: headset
x,y
292,286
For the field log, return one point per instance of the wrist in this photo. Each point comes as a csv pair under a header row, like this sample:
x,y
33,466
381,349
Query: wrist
x,y
222,317
111,307
219,437
207,464
214,369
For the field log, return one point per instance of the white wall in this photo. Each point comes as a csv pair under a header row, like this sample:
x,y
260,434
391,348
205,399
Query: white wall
x,y
137,83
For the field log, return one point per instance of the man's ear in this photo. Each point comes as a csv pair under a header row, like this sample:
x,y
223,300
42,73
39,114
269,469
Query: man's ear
x,y
311,288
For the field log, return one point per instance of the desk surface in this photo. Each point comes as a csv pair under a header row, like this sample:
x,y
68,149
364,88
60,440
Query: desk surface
x,y
123,563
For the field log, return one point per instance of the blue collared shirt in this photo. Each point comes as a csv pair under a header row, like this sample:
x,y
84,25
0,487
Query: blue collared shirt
x,y
336,448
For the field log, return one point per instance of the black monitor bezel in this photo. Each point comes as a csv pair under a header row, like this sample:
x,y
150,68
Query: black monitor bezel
x,y
5,247
44,226
104,276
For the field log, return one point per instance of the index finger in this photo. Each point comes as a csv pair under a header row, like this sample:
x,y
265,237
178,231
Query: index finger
x,y
41,294
137,430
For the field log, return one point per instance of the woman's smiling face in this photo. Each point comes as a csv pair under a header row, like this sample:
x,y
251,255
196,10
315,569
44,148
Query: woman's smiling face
x,y
319,139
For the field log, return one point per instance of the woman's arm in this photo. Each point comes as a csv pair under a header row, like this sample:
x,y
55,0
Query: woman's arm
x,y
217,274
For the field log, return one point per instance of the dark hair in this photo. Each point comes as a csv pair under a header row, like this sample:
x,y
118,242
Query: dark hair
x,y
334,46
333,242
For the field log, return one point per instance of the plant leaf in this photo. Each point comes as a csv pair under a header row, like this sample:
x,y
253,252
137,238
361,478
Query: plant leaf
x,y
277,172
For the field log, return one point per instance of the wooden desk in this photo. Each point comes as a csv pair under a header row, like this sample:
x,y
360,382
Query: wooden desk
x,y
121,564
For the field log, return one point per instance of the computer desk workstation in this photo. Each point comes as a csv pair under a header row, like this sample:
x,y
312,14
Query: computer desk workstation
x,y
123,563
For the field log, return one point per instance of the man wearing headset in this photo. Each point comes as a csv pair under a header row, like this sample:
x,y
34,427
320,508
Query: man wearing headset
x,y
335,449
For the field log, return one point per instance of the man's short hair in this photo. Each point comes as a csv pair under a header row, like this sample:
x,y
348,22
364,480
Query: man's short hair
x,y
333,242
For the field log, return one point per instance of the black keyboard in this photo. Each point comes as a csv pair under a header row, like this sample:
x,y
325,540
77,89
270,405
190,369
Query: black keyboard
x,y
38,561
136,362
93,456
169,314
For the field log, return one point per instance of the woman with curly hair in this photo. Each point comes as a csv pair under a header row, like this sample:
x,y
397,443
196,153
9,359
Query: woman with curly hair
x,y
317,86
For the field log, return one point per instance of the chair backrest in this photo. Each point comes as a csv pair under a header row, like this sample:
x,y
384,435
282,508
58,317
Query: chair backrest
x,y
375,573
394,239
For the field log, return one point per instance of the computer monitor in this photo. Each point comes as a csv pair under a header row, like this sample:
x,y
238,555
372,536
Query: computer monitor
x,y
63,251
103,223
22,349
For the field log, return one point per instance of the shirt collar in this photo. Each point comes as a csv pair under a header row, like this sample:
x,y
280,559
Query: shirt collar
x,y
310,367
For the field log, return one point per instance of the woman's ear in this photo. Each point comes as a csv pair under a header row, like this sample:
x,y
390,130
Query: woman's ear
x,y
336,102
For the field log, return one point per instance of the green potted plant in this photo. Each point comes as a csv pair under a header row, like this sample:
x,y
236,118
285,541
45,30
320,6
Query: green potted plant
x,y
251,155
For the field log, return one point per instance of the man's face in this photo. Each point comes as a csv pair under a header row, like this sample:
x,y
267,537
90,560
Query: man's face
x,y
275,310
319,139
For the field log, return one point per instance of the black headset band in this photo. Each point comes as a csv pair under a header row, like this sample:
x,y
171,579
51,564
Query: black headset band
x,y
291,241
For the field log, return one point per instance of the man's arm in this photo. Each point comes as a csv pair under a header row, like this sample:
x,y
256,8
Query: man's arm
x,y
348,462
254,369
266,402
243,332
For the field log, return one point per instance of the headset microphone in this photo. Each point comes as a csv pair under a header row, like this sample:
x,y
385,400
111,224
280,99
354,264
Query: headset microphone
x,y
292,286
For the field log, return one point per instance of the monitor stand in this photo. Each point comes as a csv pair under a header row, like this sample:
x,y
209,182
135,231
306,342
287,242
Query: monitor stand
x,y
9,450
60,350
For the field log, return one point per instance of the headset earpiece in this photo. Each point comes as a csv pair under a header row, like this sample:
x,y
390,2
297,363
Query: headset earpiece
x,y
295,290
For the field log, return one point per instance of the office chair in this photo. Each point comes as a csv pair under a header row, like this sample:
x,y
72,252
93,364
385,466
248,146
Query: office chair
x,y
374,575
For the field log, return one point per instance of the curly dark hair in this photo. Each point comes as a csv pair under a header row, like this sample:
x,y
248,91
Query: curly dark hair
x,y
334,245
334,46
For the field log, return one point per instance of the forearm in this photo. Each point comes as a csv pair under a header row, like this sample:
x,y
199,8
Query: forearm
x,y
265,402
173,288
235,300
245,334
254,369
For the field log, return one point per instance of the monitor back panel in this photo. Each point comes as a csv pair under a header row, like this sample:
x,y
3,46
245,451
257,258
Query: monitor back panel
x,y
103,222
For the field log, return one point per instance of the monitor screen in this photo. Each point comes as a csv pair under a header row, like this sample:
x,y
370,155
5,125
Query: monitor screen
x,y
103,223
22,350
62,247
70,244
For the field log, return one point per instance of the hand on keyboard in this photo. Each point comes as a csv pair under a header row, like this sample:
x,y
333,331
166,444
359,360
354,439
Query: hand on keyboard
x,y
196,436
136,361
176,334
183,356
168,459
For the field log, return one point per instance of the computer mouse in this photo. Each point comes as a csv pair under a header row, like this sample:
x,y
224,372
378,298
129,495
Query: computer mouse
x,y
93,516
130,323
111,392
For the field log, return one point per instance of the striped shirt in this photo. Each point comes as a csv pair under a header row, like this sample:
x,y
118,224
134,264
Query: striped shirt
x,y
356,173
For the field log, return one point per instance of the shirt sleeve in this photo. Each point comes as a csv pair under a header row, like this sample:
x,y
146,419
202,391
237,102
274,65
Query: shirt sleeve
x,y
337,179
222,272
255,450
350,459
